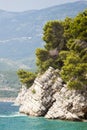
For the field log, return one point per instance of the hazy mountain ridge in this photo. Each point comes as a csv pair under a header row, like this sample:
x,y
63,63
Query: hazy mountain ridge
x,y
9,84
20,35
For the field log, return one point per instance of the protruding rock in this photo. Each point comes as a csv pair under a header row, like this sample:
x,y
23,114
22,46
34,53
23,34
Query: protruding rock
x,y
49,97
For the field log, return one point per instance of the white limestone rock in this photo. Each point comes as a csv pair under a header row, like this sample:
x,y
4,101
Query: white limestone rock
x,y
50,97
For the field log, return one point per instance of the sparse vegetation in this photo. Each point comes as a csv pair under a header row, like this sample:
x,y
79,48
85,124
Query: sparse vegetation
x,y
26,77
33,91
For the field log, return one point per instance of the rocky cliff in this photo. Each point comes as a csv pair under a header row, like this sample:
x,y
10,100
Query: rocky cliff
x,y
50,97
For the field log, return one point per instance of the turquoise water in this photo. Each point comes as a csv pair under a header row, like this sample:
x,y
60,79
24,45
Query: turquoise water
x,y
10,119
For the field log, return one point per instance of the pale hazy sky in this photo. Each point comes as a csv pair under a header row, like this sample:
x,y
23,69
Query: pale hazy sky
x,y
23,5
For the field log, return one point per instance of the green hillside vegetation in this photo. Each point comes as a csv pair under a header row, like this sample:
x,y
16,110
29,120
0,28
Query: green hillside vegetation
x,y
9,84
9,79
66,49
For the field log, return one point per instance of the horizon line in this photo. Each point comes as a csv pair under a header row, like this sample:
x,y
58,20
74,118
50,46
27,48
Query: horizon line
x,y
20,11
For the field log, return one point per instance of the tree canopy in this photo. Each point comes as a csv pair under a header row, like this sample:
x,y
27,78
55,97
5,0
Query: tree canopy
x,y
54,42
26,77
66,49
53,35
74,70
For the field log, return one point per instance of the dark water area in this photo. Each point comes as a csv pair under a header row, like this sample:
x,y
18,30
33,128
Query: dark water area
x,y
10,119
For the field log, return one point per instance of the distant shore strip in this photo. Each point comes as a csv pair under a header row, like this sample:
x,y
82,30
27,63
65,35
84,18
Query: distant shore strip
x,y
7,99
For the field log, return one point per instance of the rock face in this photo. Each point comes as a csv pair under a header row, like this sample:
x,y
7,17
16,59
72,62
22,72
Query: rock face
x,y
50,97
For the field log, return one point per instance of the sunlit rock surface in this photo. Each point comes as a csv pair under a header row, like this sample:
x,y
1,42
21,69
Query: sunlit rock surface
x,y
50,97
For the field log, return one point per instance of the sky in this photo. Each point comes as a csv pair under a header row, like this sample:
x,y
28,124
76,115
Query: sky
x,y
24,5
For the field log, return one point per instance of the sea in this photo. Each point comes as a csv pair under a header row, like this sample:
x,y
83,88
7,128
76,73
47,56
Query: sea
x,y
11,119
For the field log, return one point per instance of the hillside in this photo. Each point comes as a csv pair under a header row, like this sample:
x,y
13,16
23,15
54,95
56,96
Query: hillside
x,y
20,35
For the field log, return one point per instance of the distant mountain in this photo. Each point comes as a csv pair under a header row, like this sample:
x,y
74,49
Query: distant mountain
x,y
20,33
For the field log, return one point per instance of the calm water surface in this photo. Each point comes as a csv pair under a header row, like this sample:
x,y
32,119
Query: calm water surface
x,y
10,119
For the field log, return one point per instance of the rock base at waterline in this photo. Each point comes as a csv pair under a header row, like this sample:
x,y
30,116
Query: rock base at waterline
x,y
50,97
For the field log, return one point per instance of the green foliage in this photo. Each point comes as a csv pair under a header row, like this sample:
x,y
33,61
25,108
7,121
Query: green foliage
x,y
26,77
66,49
42,54
55,42
73,66
33,91
66,24
74,70
53,35
75,84
76,28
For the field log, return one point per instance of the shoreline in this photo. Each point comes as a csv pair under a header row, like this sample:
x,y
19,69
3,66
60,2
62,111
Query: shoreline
x,y
12,100
8,89
7,99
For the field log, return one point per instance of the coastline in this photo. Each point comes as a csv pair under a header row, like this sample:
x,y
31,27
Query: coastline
x,y
7,99
7,89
